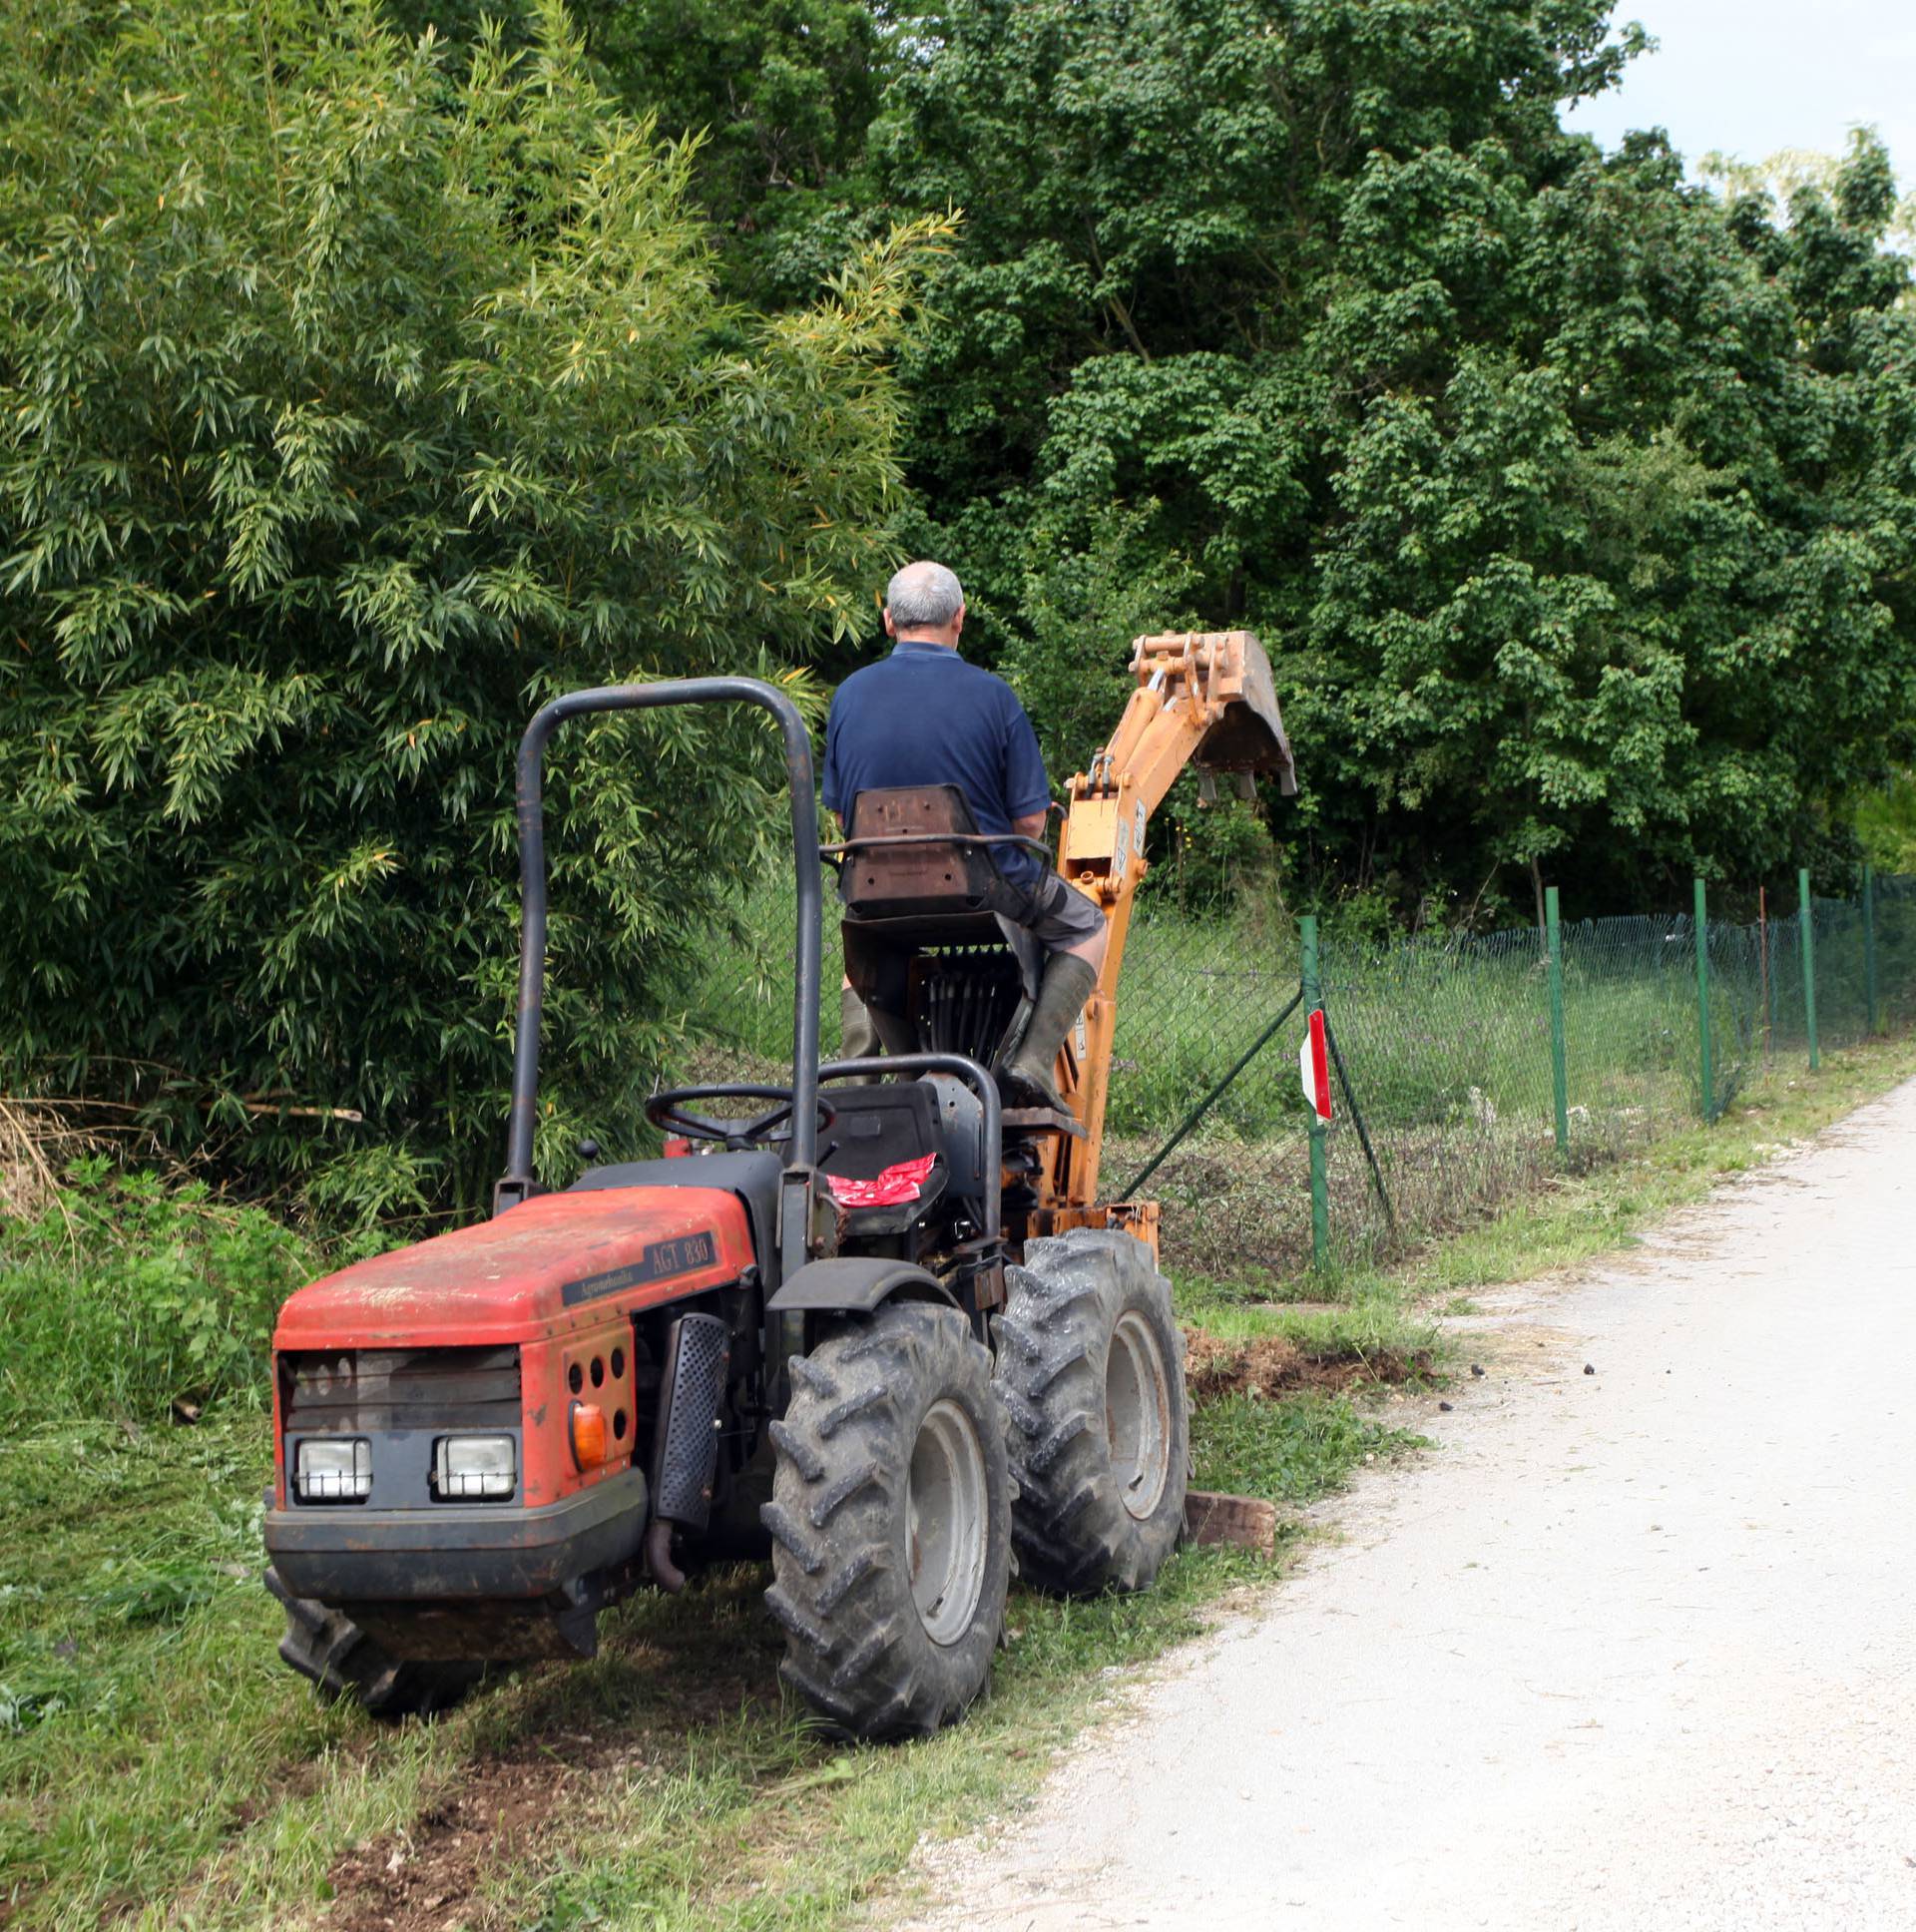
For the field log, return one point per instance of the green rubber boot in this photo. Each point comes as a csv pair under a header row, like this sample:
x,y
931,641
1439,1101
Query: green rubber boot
x,y
1062,993
859,1038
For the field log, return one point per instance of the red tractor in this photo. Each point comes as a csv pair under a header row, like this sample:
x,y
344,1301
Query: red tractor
x,y
872,1323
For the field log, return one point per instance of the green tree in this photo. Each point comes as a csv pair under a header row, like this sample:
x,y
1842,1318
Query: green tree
x,y
354,402
1573,503
773,98
1886,825
776,97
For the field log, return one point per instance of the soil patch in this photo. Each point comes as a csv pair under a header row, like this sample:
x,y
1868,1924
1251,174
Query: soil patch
x,y
426,1876
1268,1365
668,1667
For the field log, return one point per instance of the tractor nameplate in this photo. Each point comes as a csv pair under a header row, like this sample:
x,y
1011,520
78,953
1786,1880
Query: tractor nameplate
x,y
659,1261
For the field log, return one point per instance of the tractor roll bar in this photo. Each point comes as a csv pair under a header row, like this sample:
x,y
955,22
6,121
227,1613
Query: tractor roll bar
x,y
803,1144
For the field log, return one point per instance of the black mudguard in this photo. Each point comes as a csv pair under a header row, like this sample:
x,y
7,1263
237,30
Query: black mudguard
x,y
856,1284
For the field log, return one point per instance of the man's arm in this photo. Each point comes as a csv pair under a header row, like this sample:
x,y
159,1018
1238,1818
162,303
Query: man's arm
x,y
1025,782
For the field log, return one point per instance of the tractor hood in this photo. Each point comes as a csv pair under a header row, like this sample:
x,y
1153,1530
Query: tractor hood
x,y
544,1268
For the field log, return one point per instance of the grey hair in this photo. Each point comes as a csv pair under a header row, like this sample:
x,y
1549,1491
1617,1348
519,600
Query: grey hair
x,y
926,594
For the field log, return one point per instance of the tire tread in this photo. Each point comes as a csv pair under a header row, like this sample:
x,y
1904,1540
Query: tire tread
x,y
856,1649
1070,1527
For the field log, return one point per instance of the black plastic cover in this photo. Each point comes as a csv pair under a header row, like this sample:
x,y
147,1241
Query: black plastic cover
x,y
686,1454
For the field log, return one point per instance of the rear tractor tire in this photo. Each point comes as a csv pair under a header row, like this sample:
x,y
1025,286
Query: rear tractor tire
x,y
1091,1370
343,1661
890,1522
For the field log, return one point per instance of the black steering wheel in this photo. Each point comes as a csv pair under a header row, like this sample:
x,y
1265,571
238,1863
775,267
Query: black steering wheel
x,y
666,1110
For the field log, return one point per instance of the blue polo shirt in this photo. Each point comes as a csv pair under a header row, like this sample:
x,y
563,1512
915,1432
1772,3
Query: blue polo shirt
x,y
925,716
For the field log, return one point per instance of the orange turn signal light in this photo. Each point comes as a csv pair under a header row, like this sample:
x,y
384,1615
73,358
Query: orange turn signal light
x,y
588,1434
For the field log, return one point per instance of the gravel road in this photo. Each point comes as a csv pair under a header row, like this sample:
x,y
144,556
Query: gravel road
x,y
1632,1649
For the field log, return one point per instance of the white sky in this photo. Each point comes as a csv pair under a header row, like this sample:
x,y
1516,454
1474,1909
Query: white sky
x,y
1751,77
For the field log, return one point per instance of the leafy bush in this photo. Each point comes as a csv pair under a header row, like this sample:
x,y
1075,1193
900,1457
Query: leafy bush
x,y
1886,823
352,402
127,1296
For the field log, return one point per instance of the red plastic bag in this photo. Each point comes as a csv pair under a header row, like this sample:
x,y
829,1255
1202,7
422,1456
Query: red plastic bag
x,y
891,1189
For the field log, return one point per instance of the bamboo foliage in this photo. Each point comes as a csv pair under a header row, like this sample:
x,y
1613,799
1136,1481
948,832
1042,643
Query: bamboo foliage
x,y
352,402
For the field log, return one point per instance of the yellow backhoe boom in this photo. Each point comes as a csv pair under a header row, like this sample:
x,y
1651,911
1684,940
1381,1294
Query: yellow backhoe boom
x,y
1203,698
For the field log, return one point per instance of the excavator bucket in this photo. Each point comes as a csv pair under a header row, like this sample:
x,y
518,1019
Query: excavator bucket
x,y
1229,676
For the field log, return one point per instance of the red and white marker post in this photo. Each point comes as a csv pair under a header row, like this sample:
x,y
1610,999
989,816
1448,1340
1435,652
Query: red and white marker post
x,y
1313,1065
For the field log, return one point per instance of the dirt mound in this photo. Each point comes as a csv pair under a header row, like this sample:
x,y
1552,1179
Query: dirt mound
x,y
427,1876
1270,1365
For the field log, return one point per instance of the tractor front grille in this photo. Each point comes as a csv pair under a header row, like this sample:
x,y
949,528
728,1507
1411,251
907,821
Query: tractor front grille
x,y
352,1391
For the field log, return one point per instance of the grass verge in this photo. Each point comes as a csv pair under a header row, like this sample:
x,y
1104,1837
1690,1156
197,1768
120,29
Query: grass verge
x,y
1580,1217
157,1767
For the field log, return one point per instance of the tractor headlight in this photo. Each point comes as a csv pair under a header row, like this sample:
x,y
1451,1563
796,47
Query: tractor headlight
x,y
336,1471
474,1466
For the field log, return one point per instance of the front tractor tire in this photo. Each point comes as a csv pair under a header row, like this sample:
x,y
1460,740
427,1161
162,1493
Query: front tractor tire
x,y
343,1661
1091,1370
890,1521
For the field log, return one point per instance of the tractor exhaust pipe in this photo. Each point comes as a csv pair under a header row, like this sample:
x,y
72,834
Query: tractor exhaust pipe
x,y
659,1564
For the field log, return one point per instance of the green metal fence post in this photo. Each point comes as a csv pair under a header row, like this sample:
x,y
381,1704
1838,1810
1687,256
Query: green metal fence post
x,y
1869,947
1762,967
1559,1072
1319,1162
1810,962
1704,1070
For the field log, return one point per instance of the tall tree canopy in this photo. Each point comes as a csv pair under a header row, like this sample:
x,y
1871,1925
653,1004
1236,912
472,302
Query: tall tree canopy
x,y
776,96
1573,499
1574,503
354,401
369,371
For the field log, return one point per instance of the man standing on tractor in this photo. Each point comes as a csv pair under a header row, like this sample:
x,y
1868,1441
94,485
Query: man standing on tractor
x,y
924,717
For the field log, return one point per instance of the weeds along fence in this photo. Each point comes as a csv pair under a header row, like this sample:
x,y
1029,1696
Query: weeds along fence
x,y
1449,1048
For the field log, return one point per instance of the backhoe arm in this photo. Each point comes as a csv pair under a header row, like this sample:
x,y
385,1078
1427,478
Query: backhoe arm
x,y
1203,698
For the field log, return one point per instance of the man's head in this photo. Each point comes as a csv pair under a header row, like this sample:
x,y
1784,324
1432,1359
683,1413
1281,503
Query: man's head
x,y
925,601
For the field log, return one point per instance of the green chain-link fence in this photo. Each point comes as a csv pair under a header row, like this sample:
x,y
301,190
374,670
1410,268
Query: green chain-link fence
x,y
1447,1044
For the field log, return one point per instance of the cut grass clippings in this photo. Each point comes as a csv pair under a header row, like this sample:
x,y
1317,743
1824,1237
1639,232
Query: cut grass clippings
x,y
159,1765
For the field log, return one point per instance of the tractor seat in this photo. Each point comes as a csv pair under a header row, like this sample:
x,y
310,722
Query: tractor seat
x,y
916,868
917,875
883,1127
883,1124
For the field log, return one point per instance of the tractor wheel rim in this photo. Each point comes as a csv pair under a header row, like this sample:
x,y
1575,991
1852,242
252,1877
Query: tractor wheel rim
x,y
946,1539
1138,1415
